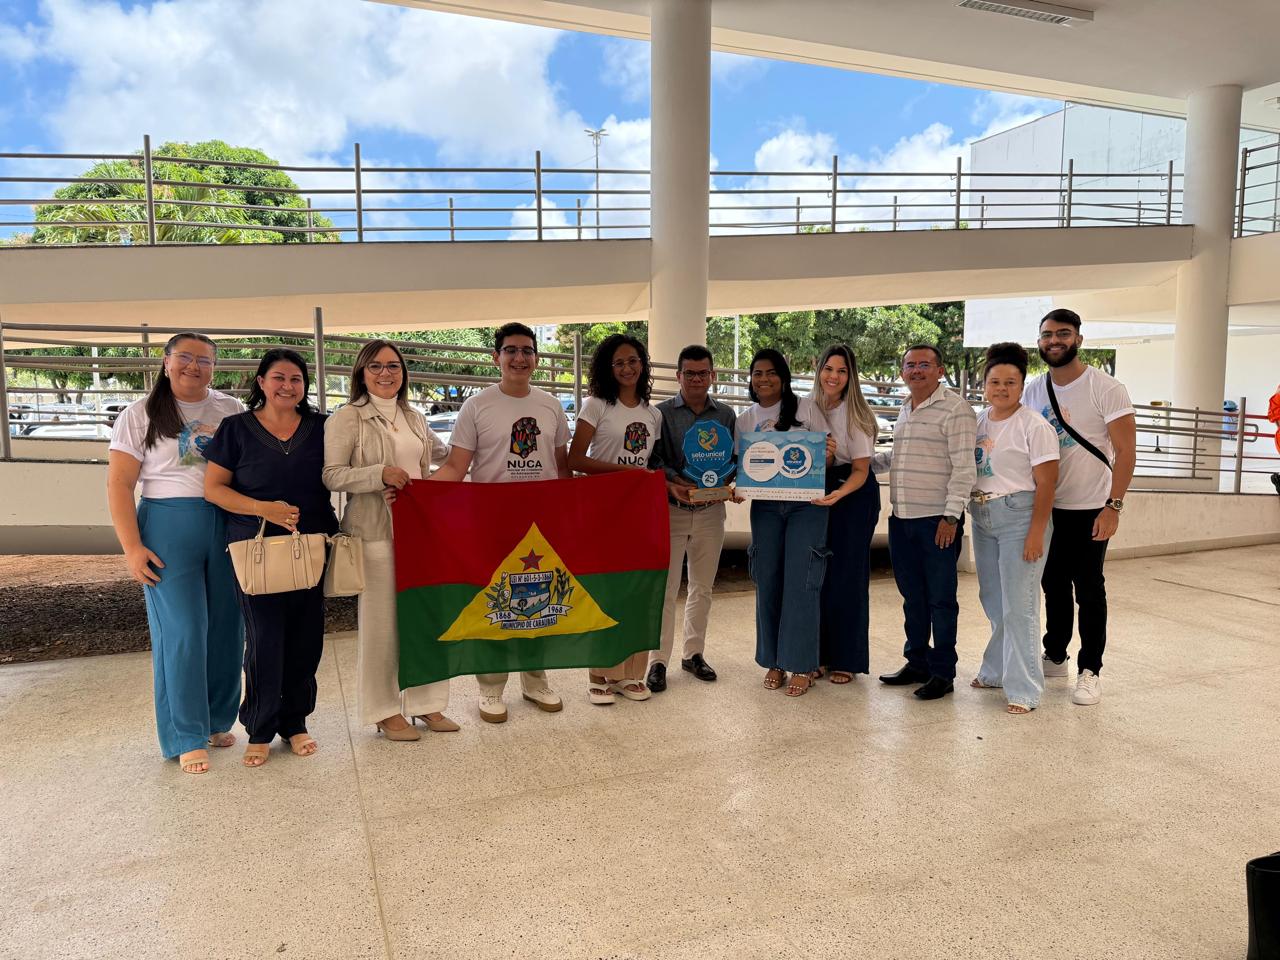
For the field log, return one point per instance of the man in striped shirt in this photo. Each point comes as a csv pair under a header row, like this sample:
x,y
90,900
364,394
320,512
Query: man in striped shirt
x,y
931,474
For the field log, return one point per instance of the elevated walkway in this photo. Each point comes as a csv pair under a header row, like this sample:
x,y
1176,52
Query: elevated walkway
x,y
398,286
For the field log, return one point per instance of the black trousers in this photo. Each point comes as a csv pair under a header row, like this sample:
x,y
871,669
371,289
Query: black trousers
x,y
845,623
284,638
1073,575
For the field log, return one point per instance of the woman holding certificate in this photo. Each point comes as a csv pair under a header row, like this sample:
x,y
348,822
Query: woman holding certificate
x,y
853,496
788,553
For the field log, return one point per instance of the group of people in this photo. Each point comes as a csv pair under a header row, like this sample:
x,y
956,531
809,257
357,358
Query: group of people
x,y
1043,472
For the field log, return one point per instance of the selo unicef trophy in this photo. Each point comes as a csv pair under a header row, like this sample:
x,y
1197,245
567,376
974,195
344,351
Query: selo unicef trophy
x,y
709,461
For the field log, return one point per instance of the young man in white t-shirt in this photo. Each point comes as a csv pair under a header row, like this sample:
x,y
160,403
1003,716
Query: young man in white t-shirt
x,y
509,433
1089,498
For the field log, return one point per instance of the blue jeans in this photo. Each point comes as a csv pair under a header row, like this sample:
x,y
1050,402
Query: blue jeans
x,y
1010,591
926,578
197,636
788,561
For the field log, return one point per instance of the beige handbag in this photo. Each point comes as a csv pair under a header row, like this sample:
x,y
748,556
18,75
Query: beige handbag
x,y
344,576
278,564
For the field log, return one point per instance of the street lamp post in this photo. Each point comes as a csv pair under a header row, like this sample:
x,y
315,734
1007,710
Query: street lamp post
x,y
595,136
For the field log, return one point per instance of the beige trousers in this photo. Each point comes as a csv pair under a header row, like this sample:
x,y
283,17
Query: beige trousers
x,y
632,668
492,684
697,535
378,647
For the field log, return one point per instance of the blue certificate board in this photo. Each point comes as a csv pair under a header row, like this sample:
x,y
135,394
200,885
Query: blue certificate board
x,y
782,465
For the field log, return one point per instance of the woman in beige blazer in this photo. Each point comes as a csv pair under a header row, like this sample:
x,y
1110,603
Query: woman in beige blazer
x,y
373,446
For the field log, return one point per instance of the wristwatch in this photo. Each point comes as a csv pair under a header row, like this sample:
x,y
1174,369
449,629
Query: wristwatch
x,y
1116,505
951,520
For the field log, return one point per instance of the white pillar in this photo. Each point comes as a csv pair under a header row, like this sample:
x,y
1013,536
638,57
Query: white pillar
x,y
1208,202
680,149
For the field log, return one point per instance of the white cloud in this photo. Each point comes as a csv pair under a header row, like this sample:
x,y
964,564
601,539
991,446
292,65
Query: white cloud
x,y
302,78
1003,111
17,46
734,71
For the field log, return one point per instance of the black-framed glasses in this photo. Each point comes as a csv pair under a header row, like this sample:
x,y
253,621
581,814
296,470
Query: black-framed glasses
x,y
376,368
185,359
513,352
696,374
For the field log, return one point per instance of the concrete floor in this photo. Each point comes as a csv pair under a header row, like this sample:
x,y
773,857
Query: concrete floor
x,y
716,820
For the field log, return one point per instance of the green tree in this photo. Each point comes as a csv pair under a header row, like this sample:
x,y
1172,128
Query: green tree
x,y
191,201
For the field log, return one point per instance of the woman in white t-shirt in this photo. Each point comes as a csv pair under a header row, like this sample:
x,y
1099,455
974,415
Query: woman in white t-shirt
x,y
1012,504
174,543
373,446
853,495
617,430
788,552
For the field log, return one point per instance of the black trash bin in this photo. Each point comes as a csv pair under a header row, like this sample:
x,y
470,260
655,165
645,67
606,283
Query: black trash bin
x,y
1262,885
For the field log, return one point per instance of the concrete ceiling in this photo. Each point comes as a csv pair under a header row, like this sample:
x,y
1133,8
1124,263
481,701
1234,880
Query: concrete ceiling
x,y
1140,54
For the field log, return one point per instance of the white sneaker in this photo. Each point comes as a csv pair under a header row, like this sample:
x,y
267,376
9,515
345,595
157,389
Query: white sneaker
x,y
1052,668
1088,689
493,710
545,699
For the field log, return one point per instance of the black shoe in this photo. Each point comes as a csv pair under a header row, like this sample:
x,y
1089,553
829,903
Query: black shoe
x,y
935,689
906,675
698,667
1275,481
657,678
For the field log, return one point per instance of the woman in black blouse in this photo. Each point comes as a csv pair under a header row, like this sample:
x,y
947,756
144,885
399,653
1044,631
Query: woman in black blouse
x,y
267,464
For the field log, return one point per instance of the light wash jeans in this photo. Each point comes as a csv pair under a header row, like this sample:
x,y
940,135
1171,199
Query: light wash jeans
x,y
1009,588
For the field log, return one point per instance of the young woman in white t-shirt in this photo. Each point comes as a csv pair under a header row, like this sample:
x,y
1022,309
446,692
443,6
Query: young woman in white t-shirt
x,y
853,496
174,543
373,446
617,430
788,552
1012,504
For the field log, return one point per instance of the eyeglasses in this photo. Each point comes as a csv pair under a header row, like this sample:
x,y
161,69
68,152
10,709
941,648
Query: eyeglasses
x,y
513,352
919,365
631,363
375,367
695,374
185,359
1065,334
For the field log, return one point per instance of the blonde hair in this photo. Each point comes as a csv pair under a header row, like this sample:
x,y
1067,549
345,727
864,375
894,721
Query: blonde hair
x,y
858,413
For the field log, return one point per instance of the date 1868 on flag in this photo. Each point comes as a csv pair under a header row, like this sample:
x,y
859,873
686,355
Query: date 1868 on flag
x,y
504,577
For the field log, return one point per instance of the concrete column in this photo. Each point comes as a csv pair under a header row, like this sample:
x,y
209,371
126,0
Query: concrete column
x,y
1208,202
679,155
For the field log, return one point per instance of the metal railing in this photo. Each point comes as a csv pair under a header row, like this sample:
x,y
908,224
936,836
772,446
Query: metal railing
x,y
1258,192
149,199
1174,444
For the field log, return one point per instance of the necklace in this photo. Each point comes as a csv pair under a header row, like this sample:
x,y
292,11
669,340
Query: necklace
x,y
284,443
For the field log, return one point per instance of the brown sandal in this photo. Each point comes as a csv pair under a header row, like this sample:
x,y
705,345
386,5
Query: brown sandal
x,y
841,677
303,744
774,679
255,754
191,763
799,685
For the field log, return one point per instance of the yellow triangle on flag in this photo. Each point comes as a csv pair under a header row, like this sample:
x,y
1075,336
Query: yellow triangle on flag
x,y
531,594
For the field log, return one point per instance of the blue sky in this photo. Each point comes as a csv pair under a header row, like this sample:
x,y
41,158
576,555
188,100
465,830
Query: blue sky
x,y
303,79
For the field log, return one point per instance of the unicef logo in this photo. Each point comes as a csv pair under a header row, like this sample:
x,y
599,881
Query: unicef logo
x,y
710,478
796,461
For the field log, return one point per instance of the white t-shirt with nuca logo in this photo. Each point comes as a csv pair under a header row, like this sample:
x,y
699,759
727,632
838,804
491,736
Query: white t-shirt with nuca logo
x,y
511,438
756,418
623,435
174,467
1088,403
1007,450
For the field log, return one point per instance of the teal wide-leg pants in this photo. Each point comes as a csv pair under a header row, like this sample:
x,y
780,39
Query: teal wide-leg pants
x,y
197,635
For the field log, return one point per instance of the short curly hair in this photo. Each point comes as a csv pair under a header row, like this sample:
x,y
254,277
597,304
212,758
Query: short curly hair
x,y
600,380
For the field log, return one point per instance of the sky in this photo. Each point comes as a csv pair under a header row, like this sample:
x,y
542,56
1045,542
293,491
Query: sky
x,y
305,79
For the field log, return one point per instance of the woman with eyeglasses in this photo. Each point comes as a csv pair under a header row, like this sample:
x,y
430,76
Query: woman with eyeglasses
x,y
617,430
174,544
788,552
373,446
853,496
266,464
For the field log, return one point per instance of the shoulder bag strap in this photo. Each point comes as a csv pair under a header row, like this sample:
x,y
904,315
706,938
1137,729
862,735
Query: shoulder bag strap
x,y
1071,431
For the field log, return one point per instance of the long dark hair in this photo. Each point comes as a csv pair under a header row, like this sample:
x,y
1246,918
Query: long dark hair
x,y
601,381
164,420
787,416
363,358
257,399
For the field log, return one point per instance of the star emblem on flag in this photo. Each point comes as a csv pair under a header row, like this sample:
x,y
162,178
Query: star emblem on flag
x,y
531,561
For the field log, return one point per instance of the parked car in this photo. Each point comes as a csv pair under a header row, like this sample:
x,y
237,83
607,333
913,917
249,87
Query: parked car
x,y
71,431
443,424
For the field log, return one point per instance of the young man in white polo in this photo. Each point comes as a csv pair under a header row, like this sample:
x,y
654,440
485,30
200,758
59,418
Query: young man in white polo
x,y
511,432
1097,439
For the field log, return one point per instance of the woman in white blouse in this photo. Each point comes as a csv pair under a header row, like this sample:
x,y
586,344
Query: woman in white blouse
x,y
1012,506
373,446
853,494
